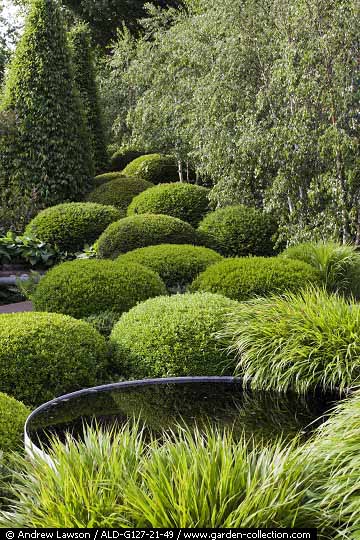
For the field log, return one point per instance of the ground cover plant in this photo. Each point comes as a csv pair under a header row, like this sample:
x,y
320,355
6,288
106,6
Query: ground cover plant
x,y
118,192
247,277
70,226
44,355
88,287
338,265
300,341
154,168
184,201
173,336
176,264
144,230
240,230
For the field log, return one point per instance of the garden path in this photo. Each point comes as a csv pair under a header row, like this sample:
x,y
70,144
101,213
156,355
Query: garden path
x,y
16,308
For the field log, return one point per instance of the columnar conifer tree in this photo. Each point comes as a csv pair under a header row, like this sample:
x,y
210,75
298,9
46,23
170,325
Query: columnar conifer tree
x,y
84,72
48,160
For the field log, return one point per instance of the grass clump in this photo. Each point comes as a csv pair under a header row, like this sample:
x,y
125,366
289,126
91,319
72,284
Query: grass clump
x,y
297,341
336,454
88,287
338,265
145,230
70,226
246,277
13,415
239,230
118,192
172,336
154,168
176,264
184,201
194,479
44,355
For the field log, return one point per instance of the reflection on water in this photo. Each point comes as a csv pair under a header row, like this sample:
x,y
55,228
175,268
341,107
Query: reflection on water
x,y
261,415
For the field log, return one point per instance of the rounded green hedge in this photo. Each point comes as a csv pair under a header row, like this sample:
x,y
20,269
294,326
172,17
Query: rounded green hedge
x,y
44,355
101,179
144,230
122,157
239,231
176,264
155,168
86,287
247,277
13,415
119,192
72,225
184,201
173,336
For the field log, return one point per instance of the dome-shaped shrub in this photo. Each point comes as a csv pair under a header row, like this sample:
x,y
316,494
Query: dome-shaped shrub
x,y
119,192
13,415
144,230
184,201
155,168
246,277
337,264
85,287
176,264
173,336
72,225
101,179
239,230
122,157
44,355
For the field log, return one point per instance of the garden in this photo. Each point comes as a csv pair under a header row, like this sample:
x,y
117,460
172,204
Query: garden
x,y
180,265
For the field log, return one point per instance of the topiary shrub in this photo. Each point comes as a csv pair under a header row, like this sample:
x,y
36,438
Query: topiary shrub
x,y
144,230
177,265
247,277
70,226
122,157
119,192
338,265
184,201
85,287
239,230
43,355
101,179
172,336
13,415
155,168
300,341
85,80
48,158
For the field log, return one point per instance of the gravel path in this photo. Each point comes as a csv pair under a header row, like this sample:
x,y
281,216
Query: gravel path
x,y
16,308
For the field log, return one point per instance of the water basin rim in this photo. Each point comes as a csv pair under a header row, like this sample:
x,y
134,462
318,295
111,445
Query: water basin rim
x,y
127,384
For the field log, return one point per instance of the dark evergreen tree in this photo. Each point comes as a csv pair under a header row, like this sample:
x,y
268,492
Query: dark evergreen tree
x,y
47,159
84,73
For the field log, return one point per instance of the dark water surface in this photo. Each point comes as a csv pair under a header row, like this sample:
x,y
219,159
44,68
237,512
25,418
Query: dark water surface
x,y
161,406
